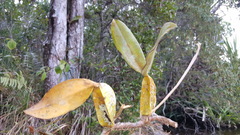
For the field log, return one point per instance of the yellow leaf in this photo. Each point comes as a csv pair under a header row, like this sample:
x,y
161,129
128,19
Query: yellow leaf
x,y
62,98
105,104
148,96
127,45
150,56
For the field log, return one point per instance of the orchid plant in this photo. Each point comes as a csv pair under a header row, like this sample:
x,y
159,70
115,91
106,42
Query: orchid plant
x,y
70,94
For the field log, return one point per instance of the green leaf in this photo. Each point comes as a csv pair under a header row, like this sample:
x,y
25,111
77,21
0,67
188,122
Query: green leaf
x,y
150,56
127,45
62,66
11,44
44,75
63,62
67,67
39,72
58,70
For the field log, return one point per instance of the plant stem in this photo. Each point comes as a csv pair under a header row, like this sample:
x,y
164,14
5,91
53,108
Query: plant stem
x,y
181,79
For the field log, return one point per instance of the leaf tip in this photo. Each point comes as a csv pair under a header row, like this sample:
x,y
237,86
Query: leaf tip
x,y
25,111
113,22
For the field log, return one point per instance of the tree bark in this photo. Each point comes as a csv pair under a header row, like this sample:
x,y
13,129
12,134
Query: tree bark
x,y
65,40
55,49
75,37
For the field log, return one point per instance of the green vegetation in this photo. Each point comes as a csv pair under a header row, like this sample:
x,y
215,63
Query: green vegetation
x,y
210,92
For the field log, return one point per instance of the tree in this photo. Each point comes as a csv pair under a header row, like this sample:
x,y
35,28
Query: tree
x,y
63,51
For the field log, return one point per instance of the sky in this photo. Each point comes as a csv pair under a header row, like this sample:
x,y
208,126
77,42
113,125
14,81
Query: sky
x,y
232,16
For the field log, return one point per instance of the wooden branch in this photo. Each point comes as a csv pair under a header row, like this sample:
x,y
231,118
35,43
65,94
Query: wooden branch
x,y
123,106
145,120
180,80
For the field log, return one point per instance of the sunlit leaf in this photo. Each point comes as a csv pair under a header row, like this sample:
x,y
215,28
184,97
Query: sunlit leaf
x,y
105,104
67,67
44,75
11,44
58,69
62,98
62,64
150,56
127,45
148,96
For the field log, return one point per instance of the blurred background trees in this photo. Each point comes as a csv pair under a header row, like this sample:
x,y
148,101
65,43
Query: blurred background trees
x,y
207,99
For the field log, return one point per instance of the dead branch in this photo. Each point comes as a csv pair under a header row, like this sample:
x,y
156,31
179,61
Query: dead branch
x,y
123,106
145,120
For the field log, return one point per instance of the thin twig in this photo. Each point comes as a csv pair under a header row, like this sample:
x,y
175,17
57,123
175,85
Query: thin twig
x,y
123,106
180,80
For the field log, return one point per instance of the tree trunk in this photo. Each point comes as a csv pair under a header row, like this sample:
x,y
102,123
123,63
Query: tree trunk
x,y
75,37
65,40
55,49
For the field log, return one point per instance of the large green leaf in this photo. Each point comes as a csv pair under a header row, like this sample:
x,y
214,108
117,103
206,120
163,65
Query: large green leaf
x,y
127,45
150,56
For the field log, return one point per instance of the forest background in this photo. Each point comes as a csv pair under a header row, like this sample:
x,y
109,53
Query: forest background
x,y
208,98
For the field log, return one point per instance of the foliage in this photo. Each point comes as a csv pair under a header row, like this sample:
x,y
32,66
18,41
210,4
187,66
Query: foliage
x,y
22,31
105,104
11,44
14,83
222,105
203,86
62,67
130,49
148,96
59,100
211,86
127,44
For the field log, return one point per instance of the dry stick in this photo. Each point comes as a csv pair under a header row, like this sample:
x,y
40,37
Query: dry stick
x,y
123,106
180,80
143,122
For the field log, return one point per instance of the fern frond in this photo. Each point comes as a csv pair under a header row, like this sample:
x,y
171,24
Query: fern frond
x,y
17,82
